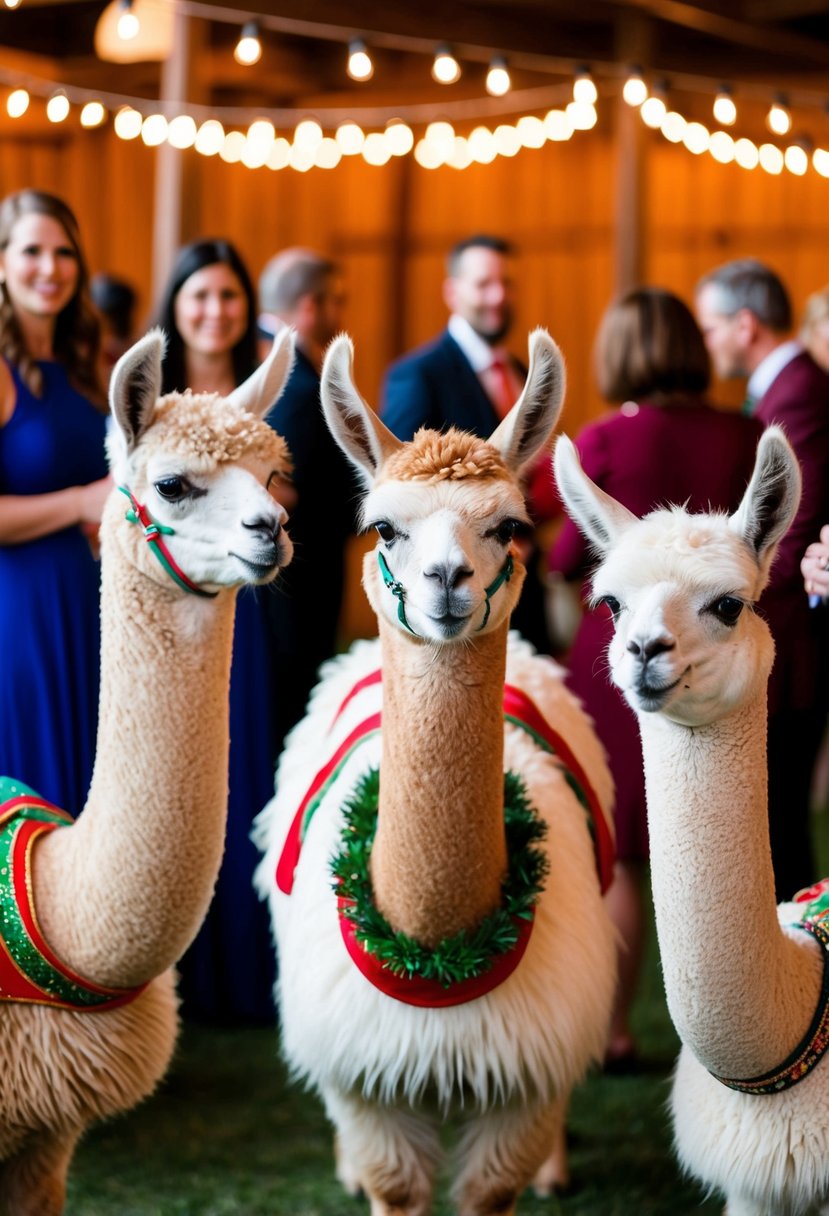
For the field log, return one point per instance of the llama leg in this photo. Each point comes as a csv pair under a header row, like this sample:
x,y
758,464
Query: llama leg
x,y
388,1153
33,1182
499,1154
554,1173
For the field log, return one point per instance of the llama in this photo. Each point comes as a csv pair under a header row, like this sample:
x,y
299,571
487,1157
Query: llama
x,y
388,1009
120,893
743,979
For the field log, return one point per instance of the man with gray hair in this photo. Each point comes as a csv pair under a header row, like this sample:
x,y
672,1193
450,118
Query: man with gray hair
x,y
744,311
301,288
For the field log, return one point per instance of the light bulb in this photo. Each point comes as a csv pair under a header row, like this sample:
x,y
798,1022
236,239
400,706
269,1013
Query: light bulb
x,y
128,25
778,119
584,88
57,107
92,114
17,103
210,137
635,90
350,138
248,49
498,78
360,66
725,110
127,123
653,110
445,69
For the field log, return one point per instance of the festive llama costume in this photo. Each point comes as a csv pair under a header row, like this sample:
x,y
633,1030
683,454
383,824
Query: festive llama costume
x,y
747,983
96,912
442,939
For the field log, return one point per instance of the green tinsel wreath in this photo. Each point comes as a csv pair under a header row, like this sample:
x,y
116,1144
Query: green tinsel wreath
x,y
465,954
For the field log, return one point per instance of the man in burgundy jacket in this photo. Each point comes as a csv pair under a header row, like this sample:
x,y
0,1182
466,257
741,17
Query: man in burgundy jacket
x,y
745,315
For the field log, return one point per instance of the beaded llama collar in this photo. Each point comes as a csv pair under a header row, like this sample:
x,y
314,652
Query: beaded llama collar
x,y
400,968
812,1047
29,971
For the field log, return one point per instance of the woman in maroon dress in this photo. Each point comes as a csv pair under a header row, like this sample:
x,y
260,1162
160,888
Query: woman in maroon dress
x,y
665,444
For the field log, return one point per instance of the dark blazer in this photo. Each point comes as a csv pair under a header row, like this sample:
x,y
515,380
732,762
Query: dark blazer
x,y
798,400
435,386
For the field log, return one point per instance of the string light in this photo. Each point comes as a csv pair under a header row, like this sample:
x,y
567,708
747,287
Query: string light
x,y
57,107
584,88
182,131
248,49
635,90
498,80
725,111
17,103
127,123
796,159
778,119
771,159
445,68
350,138
12,3
128,25
360,66
92,114
210,137
154,130
399,137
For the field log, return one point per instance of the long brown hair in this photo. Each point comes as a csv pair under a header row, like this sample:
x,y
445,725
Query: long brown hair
x,y
77,329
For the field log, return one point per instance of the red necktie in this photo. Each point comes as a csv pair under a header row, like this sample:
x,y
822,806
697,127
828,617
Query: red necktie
x,y
505,396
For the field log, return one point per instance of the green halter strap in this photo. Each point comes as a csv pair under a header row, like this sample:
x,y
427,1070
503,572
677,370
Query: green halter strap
x,y
153,533
398,591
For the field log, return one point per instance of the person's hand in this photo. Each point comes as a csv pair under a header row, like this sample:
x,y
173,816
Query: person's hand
x,y
815,565
91,499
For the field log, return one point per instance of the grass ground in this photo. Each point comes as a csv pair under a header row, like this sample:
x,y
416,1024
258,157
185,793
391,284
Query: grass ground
x,y
227,1135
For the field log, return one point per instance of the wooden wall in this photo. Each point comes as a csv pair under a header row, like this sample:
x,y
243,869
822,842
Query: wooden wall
x,y
390,227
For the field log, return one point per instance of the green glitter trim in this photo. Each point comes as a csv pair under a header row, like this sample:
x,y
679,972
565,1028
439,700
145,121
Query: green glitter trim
x,y
467,954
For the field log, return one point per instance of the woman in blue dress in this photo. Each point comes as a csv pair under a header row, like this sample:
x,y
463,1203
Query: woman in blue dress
x,y
208,312
53,483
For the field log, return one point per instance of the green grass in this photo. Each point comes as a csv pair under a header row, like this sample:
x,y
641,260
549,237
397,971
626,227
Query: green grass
x,y
227,1135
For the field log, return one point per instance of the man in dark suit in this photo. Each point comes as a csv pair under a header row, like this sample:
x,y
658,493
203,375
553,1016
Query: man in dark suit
x,y
300,288
745,315
466,378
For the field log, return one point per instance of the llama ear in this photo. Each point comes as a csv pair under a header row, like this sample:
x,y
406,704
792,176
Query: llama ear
x,y
531,421
262,388
771,500
596,514
362,436
135,385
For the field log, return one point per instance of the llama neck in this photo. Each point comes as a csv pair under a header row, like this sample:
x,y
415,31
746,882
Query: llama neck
x,y
741,994
121,893
439,856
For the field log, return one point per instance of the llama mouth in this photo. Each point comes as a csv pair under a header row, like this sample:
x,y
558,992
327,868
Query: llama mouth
x,y
260,570
449,623
652,697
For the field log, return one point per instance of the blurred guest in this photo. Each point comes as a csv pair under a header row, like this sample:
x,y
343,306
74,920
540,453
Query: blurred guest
x,y
53,483
745,314
301,288
208,311
814,327
115,300
815,567
665,444
467,378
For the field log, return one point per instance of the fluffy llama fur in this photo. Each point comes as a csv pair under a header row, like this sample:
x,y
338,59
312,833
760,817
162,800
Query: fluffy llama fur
x,y
121,892
390,1072
742,983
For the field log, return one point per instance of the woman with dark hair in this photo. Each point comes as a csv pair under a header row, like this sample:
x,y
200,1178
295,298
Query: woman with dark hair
x,y
208,312
665,443
53,483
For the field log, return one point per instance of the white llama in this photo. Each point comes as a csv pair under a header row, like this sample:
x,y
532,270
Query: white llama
x,y
117,895
747,983
389,1009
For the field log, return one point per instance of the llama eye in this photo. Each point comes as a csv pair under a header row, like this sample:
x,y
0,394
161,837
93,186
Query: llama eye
x,y
726,609
507,530
172,489
613,604
385,531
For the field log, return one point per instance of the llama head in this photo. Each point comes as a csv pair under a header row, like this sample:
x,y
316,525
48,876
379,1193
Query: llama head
x,y
681,587
204,467
446,507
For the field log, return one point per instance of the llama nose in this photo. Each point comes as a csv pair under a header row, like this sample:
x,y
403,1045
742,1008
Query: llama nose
x,y
266,527
446,575
647,650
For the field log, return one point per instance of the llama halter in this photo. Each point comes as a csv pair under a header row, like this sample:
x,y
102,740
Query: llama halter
x,y
399,591
153,533
29,972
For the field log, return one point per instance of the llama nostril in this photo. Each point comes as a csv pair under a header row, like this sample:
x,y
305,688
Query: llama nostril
x,y
649,650
268,528
447,576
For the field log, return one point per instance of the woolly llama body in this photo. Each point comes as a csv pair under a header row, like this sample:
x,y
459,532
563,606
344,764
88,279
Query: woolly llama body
x,y
745,981
118,894
392,1061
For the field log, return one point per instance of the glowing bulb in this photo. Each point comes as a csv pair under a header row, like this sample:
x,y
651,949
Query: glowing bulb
x,y
498,78
261,134
57,107
721,147
582,115
154,130
248,49
127,26
746,154
558,125
210,137
360,66
696,138
232,147
399,137
445,69
725,110
127,123
350,138
12,3
506,140
279,156
482,146
673,127
820,161
182,131
17,103
307,135
460,157
584,88
427,155
92,114
653,111
778,119
328,155
531,131
771,158
797,159
635,90
375,150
